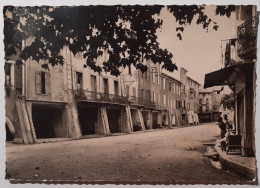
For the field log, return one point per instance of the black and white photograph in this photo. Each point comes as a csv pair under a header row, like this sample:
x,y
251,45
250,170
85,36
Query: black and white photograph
x,y
130,94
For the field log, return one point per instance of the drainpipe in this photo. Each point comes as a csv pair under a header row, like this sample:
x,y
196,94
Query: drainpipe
x,y
23,73
71,69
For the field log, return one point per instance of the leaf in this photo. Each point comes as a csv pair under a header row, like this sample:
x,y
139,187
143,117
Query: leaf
x,y
180,28
215,27
179,35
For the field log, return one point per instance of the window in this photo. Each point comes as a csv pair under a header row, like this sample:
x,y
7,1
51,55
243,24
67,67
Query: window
x,y
129,69
173,104
157,77
207,101
200,101
169,85
13,74
163,83
148,95
158,98
183,89
116,88
170,102
154,97
127,90
164,100
79,79
105,86
43,88
93,83
134,92
8,82
153,74
43,83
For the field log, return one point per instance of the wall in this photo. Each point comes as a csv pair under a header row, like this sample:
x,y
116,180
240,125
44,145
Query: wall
x,y
57,91
129,80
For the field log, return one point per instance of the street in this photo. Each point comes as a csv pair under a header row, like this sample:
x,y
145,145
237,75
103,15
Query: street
x,y
166,156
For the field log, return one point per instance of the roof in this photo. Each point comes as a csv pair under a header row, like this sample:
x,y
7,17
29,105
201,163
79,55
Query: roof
x,y
194,80
184,69
166,75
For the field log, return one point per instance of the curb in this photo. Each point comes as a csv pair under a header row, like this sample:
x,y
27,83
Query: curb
x,y
229,164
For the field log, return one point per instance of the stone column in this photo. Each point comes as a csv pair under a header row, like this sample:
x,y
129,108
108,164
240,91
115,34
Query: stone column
x,y
140,117
127,124
72,117
103,124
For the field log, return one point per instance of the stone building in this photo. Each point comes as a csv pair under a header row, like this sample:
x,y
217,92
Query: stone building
x,y
149,95
171,100
189,98
240,75
39,104
209,104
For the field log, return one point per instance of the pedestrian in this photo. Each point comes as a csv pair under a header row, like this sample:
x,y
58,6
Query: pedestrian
x,y
222,127
228,125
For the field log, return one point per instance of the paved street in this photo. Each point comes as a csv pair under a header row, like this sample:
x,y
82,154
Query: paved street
x,y
168,155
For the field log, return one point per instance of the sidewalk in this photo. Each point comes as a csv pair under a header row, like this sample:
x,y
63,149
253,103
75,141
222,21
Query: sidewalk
x,y
235,162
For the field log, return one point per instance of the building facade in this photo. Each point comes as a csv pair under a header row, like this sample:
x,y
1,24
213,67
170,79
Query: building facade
x,y
189,98
171,100
209,104
69,101
240,75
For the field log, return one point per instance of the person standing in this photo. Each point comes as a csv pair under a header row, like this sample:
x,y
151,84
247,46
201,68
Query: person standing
x,y
222,127
228,125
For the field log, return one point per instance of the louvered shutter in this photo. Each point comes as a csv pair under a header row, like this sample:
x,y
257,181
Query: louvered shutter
x,y
18,76
48,83
37,82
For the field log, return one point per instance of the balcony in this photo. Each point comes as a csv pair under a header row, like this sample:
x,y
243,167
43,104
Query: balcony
x,y
146,103
82,95
247,39
93,96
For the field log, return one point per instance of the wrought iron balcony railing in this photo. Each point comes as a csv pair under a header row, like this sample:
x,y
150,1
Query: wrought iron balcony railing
x,y
104,97
140,101
101,97
247,39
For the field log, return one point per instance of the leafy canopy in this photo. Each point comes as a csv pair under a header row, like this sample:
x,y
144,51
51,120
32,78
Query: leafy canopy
x,y
127,33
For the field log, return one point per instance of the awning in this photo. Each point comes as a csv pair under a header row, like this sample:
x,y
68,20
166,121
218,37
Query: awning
x,y
221,77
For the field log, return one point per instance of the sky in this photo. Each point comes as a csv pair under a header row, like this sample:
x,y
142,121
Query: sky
x,y
199,51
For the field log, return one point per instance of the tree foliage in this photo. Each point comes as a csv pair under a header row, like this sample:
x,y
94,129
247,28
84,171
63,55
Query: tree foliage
x,y
127,33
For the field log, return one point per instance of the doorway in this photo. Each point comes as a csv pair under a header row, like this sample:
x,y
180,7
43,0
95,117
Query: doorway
x,y
88,117
47,120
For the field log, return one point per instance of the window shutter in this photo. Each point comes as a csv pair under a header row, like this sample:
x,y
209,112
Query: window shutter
x,y
18,76
48,83
127,90
37,82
